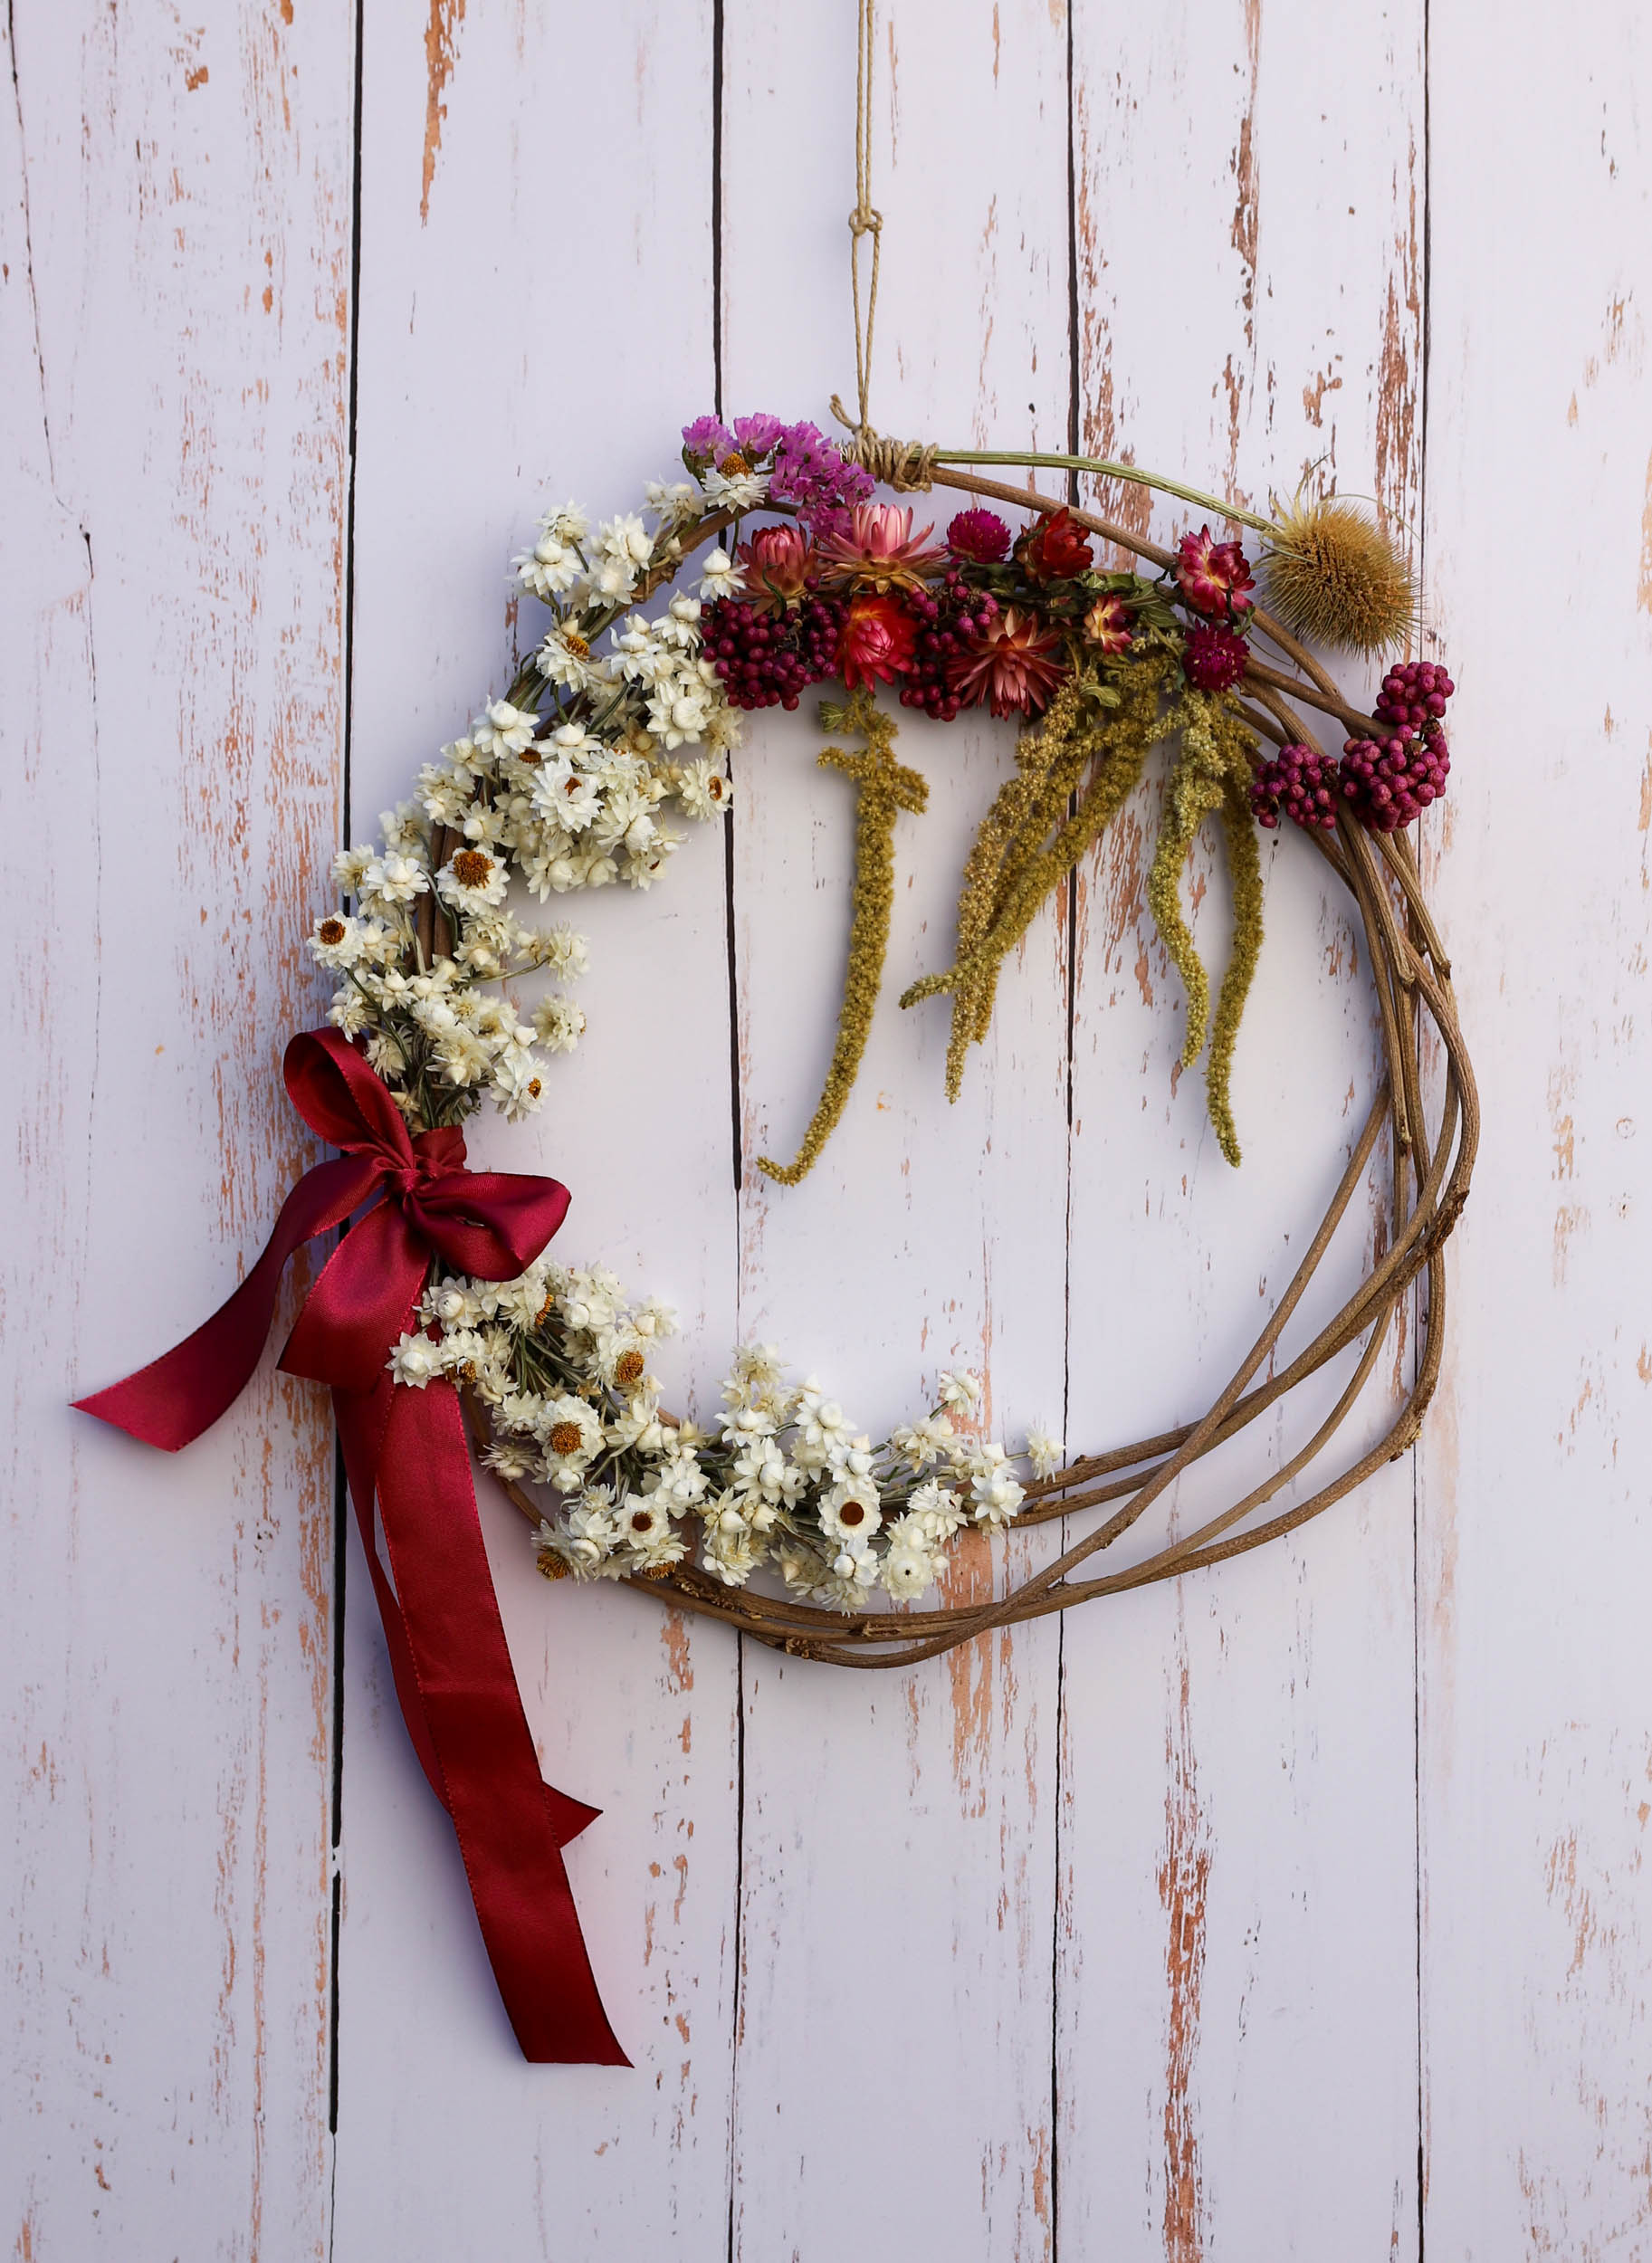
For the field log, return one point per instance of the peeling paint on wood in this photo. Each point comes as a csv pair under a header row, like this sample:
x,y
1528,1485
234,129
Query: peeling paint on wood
x,y
1081,1919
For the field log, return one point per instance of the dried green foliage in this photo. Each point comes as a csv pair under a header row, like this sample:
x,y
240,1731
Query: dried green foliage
x,y
1029,843
886,788
1212,773
1050,813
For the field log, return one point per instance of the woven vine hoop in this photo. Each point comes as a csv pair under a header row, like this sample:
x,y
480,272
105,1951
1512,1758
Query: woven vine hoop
x,y
1428,1187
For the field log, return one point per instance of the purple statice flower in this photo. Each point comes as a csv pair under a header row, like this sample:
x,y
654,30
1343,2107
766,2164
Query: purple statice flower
x,y
810,472
755,435
704,440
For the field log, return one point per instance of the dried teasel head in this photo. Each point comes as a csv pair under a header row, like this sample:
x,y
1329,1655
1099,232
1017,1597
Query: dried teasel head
x,y
1335,578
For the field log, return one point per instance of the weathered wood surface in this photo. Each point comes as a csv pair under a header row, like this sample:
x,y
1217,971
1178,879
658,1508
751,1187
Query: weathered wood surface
x,y
1292,1911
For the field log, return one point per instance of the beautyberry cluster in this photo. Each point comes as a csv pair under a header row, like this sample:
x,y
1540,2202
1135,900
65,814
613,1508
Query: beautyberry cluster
x,y
950,615
770,659
1390,781
1386,781
1414,695
1306,786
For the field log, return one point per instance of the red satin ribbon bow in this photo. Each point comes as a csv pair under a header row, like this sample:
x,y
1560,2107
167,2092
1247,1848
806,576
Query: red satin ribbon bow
x,y
408,1448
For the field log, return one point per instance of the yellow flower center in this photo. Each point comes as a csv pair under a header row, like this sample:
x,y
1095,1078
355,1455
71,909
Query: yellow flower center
x,y
331,930
472,869
628,1365
566,1437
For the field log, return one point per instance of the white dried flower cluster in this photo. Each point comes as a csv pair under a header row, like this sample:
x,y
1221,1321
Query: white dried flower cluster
x,y
561,1362
564,783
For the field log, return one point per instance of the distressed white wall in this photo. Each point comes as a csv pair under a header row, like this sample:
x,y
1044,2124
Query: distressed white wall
x,y
1295,1911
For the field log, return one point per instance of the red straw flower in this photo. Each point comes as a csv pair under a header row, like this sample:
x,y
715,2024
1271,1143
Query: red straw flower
x,y
1057,549
880,551
1214,576
779,566
1010,663
876,645
1109,625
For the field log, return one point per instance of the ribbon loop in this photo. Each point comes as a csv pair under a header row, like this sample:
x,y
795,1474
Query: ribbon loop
x,y
406,1449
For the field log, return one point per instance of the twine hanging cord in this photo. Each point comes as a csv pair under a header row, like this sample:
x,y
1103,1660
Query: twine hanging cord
x,y
902,465
865,219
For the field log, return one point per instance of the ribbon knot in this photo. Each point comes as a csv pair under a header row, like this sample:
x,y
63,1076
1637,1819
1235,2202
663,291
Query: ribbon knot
x,y
406,1449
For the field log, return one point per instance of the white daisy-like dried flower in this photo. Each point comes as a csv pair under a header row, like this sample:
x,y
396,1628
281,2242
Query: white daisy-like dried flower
x,y
735,490
472,881
335,940
502,728
997,1497
1043,1451
720,576
518,1089
962,1391
558,1023
909,1567
569,1429
349,867
392,879
566,659
703,790
625,538
851,1509
415,1362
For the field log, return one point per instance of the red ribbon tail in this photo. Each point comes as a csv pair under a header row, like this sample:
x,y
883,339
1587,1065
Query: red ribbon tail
x,y
448,1653
184,1392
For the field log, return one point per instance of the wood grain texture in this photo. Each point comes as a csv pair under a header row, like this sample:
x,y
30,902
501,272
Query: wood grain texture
x,y
1237,1872
1536,1692
176,271
898,1833
484,400
1180,1930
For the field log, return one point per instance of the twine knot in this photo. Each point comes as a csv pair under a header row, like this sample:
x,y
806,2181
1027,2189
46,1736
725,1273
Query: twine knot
x,y
906,465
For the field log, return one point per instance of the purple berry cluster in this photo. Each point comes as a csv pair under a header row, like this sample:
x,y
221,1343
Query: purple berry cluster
x,y
1390,781
1306,786
1387,781
769,660
948,616
1414,695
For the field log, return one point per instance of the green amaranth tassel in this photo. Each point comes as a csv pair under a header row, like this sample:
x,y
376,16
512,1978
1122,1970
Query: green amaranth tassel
x,y
1015,864
885,788
1212,772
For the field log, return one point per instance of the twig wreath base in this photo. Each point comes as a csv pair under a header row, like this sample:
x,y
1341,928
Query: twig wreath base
x,y
1428,1186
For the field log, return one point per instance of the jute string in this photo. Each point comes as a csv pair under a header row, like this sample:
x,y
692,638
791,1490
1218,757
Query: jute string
x,y
902,464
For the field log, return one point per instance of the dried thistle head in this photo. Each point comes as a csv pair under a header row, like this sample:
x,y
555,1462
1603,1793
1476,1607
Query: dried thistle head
x,y
1334,577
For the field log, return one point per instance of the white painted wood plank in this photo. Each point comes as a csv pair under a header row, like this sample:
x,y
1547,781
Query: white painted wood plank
x,y
897,1888
537,321
1236,1973
1535,1687
175,212
1235,2051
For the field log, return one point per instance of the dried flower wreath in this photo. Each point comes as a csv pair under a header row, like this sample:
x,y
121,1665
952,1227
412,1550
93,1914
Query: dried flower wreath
x,y
443,1296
